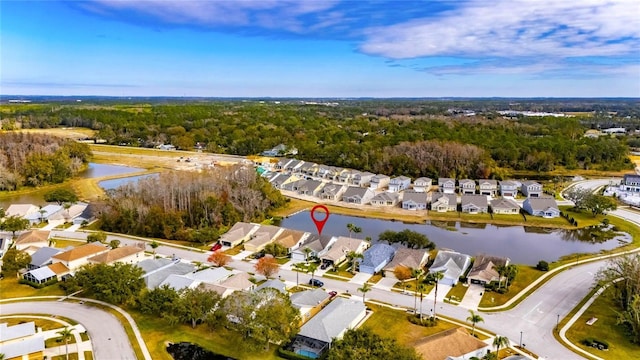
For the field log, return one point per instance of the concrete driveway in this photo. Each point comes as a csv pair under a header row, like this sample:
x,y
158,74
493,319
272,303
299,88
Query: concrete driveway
x,y
360,278
472,297
386,283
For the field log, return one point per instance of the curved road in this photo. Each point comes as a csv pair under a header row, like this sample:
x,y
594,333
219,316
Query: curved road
x,y
108,337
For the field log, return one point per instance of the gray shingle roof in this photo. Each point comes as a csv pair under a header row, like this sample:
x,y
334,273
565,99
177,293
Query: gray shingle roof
x,y
333,319
377,254
273,284
417,197
43,256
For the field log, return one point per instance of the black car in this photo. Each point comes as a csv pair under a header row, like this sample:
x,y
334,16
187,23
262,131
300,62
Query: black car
x,y
324,265
316,283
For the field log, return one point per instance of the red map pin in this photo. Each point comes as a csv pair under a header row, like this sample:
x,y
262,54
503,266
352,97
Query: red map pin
x,y
319,223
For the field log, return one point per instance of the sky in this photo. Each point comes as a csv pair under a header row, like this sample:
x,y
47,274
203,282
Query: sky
x,y
321,48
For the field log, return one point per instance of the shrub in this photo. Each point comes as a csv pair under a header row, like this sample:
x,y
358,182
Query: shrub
x,y
542,265
426,321
286,354
605,222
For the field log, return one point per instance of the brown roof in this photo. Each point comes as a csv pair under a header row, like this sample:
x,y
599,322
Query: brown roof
x,y
80,252
116,254
411,258
238,281
454,342
59,268
289,238
34,236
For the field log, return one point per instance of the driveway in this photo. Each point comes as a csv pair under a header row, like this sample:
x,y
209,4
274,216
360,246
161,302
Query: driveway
x,y
107,335
472,297
386,283
360,278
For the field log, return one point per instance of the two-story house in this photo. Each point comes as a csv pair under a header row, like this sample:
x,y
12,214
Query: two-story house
x,y
423,184
488,187
509,188
467,186
362,179
447,185
399,183
531,189
379,182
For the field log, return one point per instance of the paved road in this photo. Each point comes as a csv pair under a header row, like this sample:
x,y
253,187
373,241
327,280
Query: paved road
x,y
107,335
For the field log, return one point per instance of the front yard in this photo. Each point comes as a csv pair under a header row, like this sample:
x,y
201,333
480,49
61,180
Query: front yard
x,y
526,275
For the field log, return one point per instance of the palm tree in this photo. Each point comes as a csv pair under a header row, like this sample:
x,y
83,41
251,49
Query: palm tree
x,y
311,268
350,227
502,270
500,341
417,274
299,267
437,276
65,334
42,212
66,207
307,251
357,229
421,289
352,256
510,272
474,319
364,289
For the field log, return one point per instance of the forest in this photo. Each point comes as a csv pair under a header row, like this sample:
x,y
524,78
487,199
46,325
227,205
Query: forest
x,y
189,206
392,137
38,159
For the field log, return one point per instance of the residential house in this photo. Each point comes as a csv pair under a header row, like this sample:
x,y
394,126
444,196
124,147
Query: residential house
x,y
211,275
474,204
238,282
315,243
42,257
337,252
399,183
44,214
293,166
630,183
504,206
282,163
345,176
484,269
410,258
447,185
443,202
239,233
291,239
362,179
357,195
78,256
123,254
488,187
323,171
379,182
544,206
452,344
86,216
531,189
261,237
509,188
273,284
179,282
280,150
293,185
386,199
309,169
309,302
35,238
451,264
334,173
21,210
423,184
157,270
413,200
332,192
375,258
21,341
316,335
166,147
467,186
282,179
310,187
47,273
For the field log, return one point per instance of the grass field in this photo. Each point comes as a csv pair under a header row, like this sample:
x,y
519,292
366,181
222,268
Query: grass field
x,y
10,288
605,328
41,323
457,292
526,275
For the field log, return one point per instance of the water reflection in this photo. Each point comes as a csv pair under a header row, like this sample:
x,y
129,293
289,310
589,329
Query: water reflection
x,y
99,170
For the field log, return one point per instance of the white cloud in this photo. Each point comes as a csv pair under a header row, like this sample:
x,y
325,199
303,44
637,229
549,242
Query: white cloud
x,y
515,28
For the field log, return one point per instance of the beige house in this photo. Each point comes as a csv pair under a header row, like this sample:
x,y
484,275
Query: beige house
x,y
125,255
239,233
263,236
34,238
410,258
484,269
452,344
76,257
337,252
291,239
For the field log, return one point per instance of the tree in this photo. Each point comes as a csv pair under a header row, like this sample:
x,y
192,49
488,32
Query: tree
x,y
511,271
267,266
599,204
352,256
98,236
364,344
500,341
542,265
61,196
65,334
474,319
154,245
410,238
631,318
627,269
578,195
437,276
114,243
421,289
117,284
159,301
351,227
402,272
275,249
219,258
13,261
307,251
311,268
418,276
195,304
365,289
14,223
276,320
298,267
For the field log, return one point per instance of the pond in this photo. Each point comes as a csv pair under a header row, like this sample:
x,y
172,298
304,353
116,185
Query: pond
x,y
99,170
189,351
114,183
523,245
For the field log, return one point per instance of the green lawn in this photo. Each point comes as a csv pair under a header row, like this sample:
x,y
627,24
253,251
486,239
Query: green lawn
x,y
57,341
391,323
41,323
605,329
10,288
457,292
526,275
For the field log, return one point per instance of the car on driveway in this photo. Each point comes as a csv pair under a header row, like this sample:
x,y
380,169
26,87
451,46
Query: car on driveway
x,y
316,283
333,294
216,247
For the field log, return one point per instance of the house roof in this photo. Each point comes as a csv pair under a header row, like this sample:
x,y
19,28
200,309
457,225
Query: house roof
x,y
238,231
490,182
357,192
80,252
289,238
504,204
333,319
423,180
21,210
411,258
309,298
43,255
157,270
42,273
528,183
179,282
310,185
450,199
484,267
400,179
211,275
47,211
464,182
315,242
379,177
377,254
453,342
446,180
542,203
451,263
386,196
238,281
307,166
331,189
273,284
508,183
34,236
627,178
342,246
16,331
415,196
116,254
59,268
474,199
264,234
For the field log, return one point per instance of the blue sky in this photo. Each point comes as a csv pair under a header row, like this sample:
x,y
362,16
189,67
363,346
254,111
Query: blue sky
x,y
355,48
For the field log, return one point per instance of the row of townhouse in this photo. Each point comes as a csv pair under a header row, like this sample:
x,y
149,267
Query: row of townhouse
x,y
489,187
77,213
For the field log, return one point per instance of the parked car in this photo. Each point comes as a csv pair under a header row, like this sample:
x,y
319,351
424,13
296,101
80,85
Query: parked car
x,y
333,294
217,246
324,265
316,283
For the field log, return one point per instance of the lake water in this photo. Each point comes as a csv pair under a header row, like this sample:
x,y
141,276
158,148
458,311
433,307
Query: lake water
x,y
523,245
99,170
114,183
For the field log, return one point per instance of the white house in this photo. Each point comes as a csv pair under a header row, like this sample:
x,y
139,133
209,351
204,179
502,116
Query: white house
x,y
451,264
413,200
399,183
447,185
423,184
379,182
545,206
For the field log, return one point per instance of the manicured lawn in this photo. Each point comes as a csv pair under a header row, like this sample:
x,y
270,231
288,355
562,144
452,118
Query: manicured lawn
x,y
604,308
63,243
41,323
157,333
88,355
526,275
457,292
57,341
293,206
283,261
392,323
375,278
10,288
72,356
234,250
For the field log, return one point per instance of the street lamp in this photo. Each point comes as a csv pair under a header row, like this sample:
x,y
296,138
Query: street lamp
x,y
557,322
520,339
